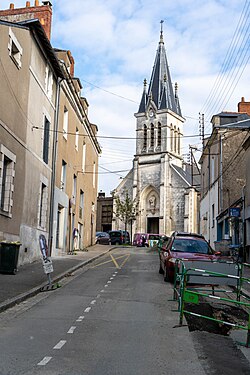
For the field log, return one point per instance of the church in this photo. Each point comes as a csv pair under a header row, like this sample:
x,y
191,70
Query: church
x,y
159,182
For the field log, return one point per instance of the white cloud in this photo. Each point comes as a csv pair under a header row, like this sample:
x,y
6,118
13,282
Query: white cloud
x,y
114,44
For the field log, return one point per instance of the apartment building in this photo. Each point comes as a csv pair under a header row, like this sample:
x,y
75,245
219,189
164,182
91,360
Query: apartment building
x,y
48,147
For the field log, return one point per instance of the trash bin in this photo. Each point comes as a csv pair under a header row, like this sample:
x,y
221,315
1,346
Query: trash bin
x,y
9,252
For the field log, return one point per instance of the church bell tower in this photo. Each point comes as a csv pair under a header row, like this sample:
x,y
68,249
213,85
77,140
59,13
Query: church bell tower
x,y
159,132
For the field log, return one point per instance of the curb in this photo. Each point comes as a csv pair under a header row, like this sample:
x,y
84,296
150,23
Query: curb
x,y
32,292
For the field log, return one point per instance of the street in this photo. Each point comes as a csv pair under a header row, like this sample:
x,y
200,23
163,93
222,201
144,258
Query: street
x,y
115,316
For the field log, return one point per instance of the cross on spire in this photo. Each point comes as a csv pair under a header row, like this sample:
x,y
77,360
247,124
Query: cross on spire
x,y
161,35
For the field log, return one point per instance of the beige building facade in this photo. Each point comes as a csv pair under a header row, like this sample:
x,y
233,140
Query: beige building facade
x,y
75,200
48,147
29,73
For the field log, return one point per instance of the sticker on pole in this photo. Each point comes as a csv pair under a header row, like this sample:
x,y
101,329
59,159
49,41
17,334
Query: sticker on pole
x,y
47,265
191,297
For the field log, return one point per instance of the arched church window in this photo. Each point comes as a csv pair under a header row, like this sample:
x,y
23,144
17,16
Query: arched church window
x,y
179,141
175,139
171,137
145,137
159,135
152,136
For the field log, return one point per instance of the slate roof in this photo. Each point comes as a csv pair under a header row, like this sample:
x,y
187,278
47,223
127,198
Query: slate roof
x,y
160,89
186,176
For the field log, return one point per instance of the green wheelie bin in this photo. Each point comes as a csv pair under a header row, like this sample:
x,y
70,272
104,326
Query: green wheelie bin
x,y
9,252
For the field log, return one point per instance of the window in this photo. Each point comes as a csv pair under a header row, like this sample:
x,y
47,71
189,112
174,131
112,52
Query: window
x,y
81,203
65,123
74,189
7,173
43,206
178,141
77,139
15,49
63,175
48,82
159,135
83,156
145,138
171,137
152,136
46,140
175,139
212,215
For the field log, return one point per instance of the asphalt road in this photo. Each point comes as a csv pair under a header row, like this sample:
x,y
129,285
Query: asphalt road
x,y
112,318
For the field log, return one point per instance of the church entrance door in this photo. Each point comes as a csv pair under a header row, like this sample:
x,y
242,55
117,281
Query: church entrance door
x,y
153,225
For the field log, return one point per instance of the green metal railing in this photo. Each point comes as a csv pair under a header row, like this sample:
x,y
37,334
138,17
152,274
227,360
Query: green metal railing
x,y
185,295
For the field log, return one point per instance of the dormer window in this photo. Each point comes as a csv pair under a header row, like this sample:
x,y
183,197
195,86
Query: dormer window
x,y
15,49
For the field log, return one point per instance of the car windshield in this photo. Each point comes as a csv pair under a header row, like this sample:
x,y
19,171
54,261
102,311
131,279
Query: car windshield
x,y
153,237
189,245
114,234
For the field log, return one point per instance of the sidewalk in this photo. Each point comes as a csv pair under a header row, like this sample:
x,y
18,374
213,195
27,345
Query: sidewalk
x,y
30,278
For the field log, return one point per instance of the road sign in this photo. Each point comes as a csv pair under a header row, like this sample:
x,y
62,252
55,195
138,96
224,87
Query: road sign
x,y
47,265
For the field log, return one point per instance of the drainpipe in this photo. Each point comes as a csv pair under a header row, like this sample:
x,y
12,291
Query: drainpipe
x,y
221,169
53,174
244,222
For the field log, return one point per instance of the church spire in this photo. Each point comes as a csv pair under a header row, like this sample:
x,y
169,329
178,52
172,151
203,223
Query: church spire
x,y
160,88
143,104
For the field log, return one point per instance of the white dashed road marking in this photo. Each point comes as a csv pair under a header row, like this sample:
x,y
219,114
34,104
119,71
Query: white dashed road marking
x,y
44,361
60,344
80,319
71,330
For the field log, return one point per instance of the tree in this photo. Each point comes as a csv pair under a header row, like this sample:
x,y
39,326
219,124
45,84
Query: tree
x,y
126,209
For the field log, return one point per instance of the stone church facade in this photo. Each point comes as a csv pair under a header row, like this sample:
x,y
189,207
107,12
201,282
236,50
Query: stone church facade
x,y
159,183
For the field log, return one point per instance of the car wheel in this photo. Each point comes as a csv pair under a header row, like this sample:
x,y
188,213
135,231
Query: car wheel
x,y
161,270
98,242
166,274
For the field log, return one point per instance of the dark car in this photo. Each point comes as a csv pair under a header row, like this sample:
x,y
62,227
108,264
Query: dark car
x,y
187,246
102,238
119,237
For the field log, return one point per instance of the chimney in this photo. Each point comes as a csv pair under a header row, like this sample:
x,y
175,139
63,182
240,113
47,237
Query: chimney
x,y
72,64
244,107
42,12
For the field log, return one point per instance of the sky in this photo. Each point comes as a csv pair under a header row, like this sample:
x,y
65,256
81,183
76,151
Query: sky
x,y
114,44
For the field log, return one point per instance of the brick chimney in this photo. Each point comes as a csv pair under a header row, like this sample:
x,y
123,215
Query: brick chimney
x,y
244,107
42,12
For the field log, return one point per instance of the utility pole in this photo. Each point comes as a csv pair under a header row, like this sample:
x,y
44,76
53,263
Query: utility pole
x,y
201,128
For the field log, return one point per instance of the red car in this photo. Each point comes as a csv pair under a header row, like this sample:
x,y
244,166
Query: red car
x,y
189,246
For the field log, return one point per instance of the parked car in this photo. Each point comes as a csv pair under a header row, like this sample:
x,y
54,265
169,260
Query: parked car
x,y
181,245
139,239
152,239
146,239
102,238
119,237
